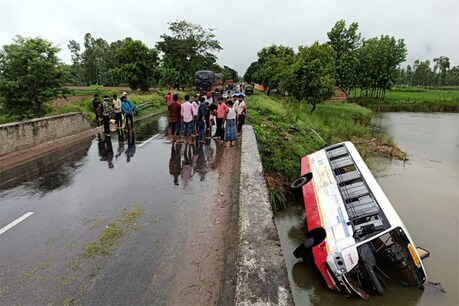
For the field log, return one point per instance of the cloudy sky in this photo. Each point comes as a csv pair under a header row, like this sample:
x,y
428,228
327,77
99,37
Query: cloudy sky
x,y
430,27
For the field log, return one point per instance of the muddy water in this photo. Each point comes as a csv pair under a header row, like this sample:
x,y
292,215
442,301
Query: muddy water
x,y
425,192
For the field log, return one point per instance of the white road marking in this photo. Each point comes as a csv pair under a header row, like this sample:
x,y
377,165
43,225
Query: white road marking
x,y
16,222
148,140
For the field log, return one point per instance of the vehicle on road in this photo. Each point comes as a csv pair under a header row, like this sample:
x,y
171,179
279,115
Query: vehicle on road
x,y
357,239
208,81
248,89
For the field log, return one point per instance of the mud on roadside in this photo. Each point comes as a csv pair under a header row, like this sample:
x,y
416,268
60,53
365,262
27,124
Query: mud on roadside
x,y
208,273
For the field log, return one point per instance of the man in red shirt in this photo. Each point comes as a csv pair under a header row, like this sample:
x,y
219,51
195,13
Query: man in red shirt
x,y
175,118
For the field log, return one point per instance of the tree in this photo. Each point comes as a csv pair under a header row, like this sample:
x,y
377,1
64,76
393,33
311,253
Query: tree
x,y
188,48
378,64
230,73
345,42
273,63
31,74
310,77
250,73
76,69
138,64
442,65
422,73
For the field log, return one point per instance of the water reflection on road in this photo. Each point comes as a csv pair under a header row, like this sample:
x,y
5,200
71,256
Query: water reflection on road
x,y
82,189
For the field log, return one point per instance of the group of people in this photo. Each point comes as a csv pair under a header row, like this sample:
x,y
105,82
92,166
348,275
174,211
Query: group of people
x,y
198,117
114,108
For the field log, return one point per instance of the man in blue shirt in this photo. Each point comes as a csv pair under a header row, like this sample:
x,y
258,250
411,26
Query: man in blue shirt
x,y
128,111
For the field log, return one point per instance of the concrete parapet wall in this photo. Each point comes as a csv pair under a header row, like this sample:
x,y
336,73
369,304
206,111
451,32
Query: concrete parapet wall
x,y
20,135
262,275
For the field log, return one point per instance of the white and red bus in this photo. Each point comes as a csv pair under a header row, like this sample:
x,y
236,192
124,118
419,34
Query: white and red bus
x,y
357,239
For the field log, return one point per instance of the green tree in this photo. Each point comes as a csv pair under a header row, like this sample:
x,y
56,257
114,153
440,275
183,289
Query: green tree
x,y
273,64
422,73
76,69
138,64
378,64
188,48
345,42
250,73
311,76
442,65
31,74
94,59
230,73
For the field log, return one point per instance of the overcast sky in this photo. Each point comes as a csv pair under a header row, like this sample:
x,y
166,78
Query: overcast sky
x,y
430,27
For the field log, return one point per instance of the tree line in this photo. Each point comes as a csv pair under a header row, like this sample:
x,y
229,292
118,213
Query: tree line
x,y
430,74
346,60
31,73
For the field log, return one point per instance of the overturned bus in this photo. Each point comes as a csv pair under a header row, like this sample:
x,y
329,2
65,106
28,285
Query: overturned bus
x,y
356,237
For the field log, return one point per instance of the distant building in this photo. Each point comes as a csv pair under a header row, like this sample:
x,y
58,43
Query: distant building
x,y
340,95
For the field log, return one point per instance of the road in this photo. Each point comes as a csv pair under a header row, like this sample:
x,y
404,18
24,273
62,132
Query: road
x,y
150,223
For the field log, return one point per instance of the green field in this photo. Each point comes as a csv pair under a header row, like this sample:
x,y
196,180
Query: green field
x,y
413,99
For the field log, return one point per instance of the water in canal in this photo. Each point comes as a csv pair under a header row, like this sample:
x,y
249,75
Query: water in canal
x,y
425,192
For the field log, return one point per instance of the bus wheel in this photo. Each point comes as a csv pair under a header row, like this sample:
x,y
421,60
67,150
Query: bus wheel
x,y
301,181
301,250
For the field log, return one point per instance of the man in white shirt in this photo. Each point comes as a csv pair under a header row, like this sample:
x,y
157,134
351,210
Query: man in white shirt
x,y
188,114
242,111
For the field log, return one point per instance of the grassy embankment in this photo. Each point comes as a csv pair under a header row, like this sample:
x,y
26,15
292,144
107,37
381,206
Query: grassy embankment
x,y
286,131
413,99
85,106
156,97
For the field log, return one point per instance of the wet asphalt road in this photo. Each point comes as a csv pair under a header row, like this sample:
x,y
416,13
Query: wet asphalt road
x,y
82,190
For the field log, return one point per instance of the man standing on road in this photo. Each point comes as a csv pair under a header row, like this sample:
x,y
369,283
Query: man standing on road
x,y
201,119
128,110
117,109
195,105
242,113
96,105
188,115
221,111
106,114
174,118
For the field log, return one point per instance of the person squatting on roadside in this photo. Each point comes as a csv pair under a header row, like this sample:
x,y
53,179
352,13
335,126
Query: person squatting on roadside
x,y
174,118
128,110
188,114
117,110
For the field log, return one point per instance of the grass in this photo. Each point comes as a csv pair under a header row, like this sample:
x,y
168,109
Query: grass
x,y
286,131
85,106
413,99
